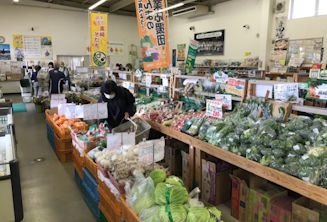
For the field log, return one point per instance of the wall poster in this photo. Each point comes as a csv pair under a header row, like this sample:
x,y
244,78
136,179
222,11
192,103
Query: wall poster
x,y
153,32
210,43
99,38
116,49
181,48
5,52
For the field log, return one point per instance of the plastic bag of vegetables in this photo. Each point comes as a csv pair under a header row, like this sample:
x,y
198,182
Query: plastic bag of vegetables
x,y
203,129
150,214
169,194
172,213
187,125
194,129
215,215
141,195
158,176
197,214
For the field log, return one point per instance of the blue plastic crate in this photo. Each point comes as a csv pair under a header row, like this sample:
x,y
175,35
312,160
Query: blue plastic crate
x,y
50,135
89,179
78,180
90,202
93,193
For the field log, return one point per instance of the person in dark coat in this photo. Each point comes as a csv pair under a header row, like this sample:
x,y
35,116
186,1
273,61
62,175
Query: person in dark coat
x,y
35,82
120,103
57,80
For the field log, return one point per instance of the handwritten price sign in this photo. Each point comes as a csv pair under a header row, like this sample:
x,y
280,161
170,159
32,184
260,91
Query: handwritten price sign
x,y
214,109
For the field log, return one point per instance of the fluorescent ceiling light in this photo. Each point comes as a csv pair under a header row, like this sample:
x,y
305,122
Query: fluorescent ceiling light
x,y
97,4
15,0
172,7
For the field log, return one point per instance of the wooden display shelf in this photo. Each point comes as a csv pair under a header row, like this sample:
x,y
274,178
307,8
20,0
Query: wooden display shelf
x,y
87,98
308,190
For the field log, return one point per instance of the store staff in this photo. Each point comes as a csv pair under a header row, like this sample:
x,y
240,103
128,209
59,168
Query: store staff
x,y
57,80
120,103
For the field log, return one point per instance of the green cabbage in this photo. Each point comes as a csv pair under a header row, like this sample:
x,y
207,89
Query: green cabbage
x,y
172,213
198,214
173,180
143,203
158,176
168,194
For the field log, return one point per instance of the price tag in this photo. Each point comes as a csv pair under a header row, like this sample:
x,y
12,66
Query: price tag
x,y
214,109
55,103
138,73
226,100
58,97
286,92
116,140
146,154
148,80
95,111
165,82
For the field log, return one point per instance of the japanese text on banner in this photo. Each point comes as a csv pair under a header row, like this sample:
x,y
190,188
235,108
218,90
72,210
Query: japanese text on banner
x,y
153,32
99,38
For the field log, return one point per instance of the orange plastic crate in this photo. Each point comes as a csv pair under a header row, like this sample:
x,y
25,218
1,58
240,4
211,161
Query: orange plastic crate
x,y
65,156
48,115
63,144
109,205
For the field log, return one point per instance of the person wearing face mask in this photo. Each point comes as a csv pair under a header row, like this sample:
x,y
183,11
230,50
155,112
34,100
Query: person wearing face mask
x,y
120,103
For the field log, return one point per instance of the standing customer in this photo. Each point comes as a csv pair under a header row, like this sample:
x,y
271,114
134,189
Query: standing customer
x,y
35,82
120,103
57,80
50,66
65,70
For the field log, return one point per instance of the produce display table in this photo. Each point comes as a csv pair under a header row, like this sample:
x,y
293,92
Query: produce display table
x,y
87,98
198,148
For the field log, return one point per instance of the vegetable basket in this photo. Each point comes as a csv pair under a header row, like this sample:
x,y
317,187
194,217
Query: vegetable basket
x,y
142,129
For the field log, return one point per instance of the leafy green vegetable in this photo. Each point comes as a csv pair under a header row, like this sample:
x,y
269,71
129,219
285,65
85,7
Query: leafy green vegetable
x,y
150,214
173,180
266,160
215,214
172,213
168,194
158,176
198,214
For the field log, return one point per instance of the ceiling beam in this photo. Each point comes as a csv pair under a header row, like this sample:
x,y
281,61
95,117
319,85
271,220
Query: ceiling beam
x,y
120,4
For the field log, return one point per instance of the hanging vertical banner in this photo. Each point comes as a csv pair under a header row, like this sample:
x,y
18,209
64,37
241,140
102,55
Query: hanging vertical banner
x,y
153,32
99,38
191,55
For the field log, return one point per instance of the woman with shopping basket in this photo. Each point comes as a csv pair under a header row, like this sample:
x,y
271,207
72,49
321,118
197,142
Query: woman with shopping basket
x,y
120,103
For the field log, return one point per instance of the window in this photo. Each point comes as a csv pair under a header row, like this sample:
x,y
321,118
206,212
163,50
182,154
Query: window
x,y
307,8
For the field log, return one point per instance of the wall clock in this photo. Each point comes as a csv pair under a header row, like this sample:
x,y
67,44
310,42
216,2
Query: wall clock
x,y
2,39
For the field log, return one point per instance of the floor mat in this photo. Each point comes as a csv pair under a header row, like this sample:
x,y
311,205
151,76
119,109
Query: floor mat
x,y
19,107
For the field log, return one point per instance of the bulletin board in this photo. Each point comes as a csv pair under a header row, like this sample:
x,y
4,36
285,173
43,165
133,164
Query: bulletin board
x,y
308,49
32,47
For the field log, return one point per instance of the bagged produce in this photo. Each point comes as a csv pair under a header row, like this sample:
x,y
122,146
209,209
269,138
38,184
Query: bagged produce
x,y
194,129
172,213
203,129
150,214
187,125
197,214
215,215
141,195
169,194
176,181
158,176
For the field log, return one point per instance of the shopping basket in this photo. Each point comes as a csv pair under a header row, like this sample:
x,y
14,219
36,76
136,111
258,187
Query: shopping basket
x,y
142,129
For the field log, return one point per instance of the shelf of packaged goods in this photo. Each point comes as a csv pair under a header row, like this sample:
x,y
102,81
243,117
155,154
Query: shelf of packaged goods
x,y
310,109
87,98
191,77
158,74
311,191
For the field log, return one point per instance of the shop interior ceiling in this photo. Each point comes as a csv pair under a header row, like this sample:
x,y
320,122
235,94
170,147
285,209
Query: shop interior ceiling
x,y
121,7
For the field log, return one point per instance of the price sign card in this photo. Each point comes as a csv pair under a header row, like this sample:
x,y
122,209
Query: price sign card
x,y
95,111
286,92
55,103
116,140
151,151
226,100
214,109
148,79
220,77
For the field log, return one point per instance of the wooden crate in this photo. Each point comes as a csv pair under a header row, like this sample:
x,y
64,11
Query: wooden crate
x,y
91,165
109,205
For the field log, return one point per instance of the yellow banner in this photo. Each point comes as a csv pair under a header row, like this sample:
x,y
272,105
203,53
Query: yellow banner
x,y
153,32
99,38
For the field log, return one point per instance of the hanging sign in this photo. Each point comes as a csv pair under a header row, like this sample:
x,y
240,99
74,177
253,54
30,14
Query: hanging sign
x,y
191,55
214,109
99,38
153,32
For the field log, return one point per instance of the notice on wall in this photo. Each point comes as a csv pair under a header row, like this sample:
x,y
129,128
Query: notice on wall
x,y
286,92
116,49
210,43
5,52
99,38
181,48
214,109
153,32
32,47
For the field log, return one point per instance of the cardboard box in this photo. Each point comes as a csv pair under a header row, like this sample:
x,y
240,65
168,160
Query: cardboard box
x,y
13,76
216,184
306,210
185,170
261,197
281,209
241,182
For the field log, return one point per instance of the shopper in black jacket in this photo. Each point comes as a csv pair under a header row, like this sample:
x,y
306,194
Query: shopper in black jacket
x,y
57,80
120,103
